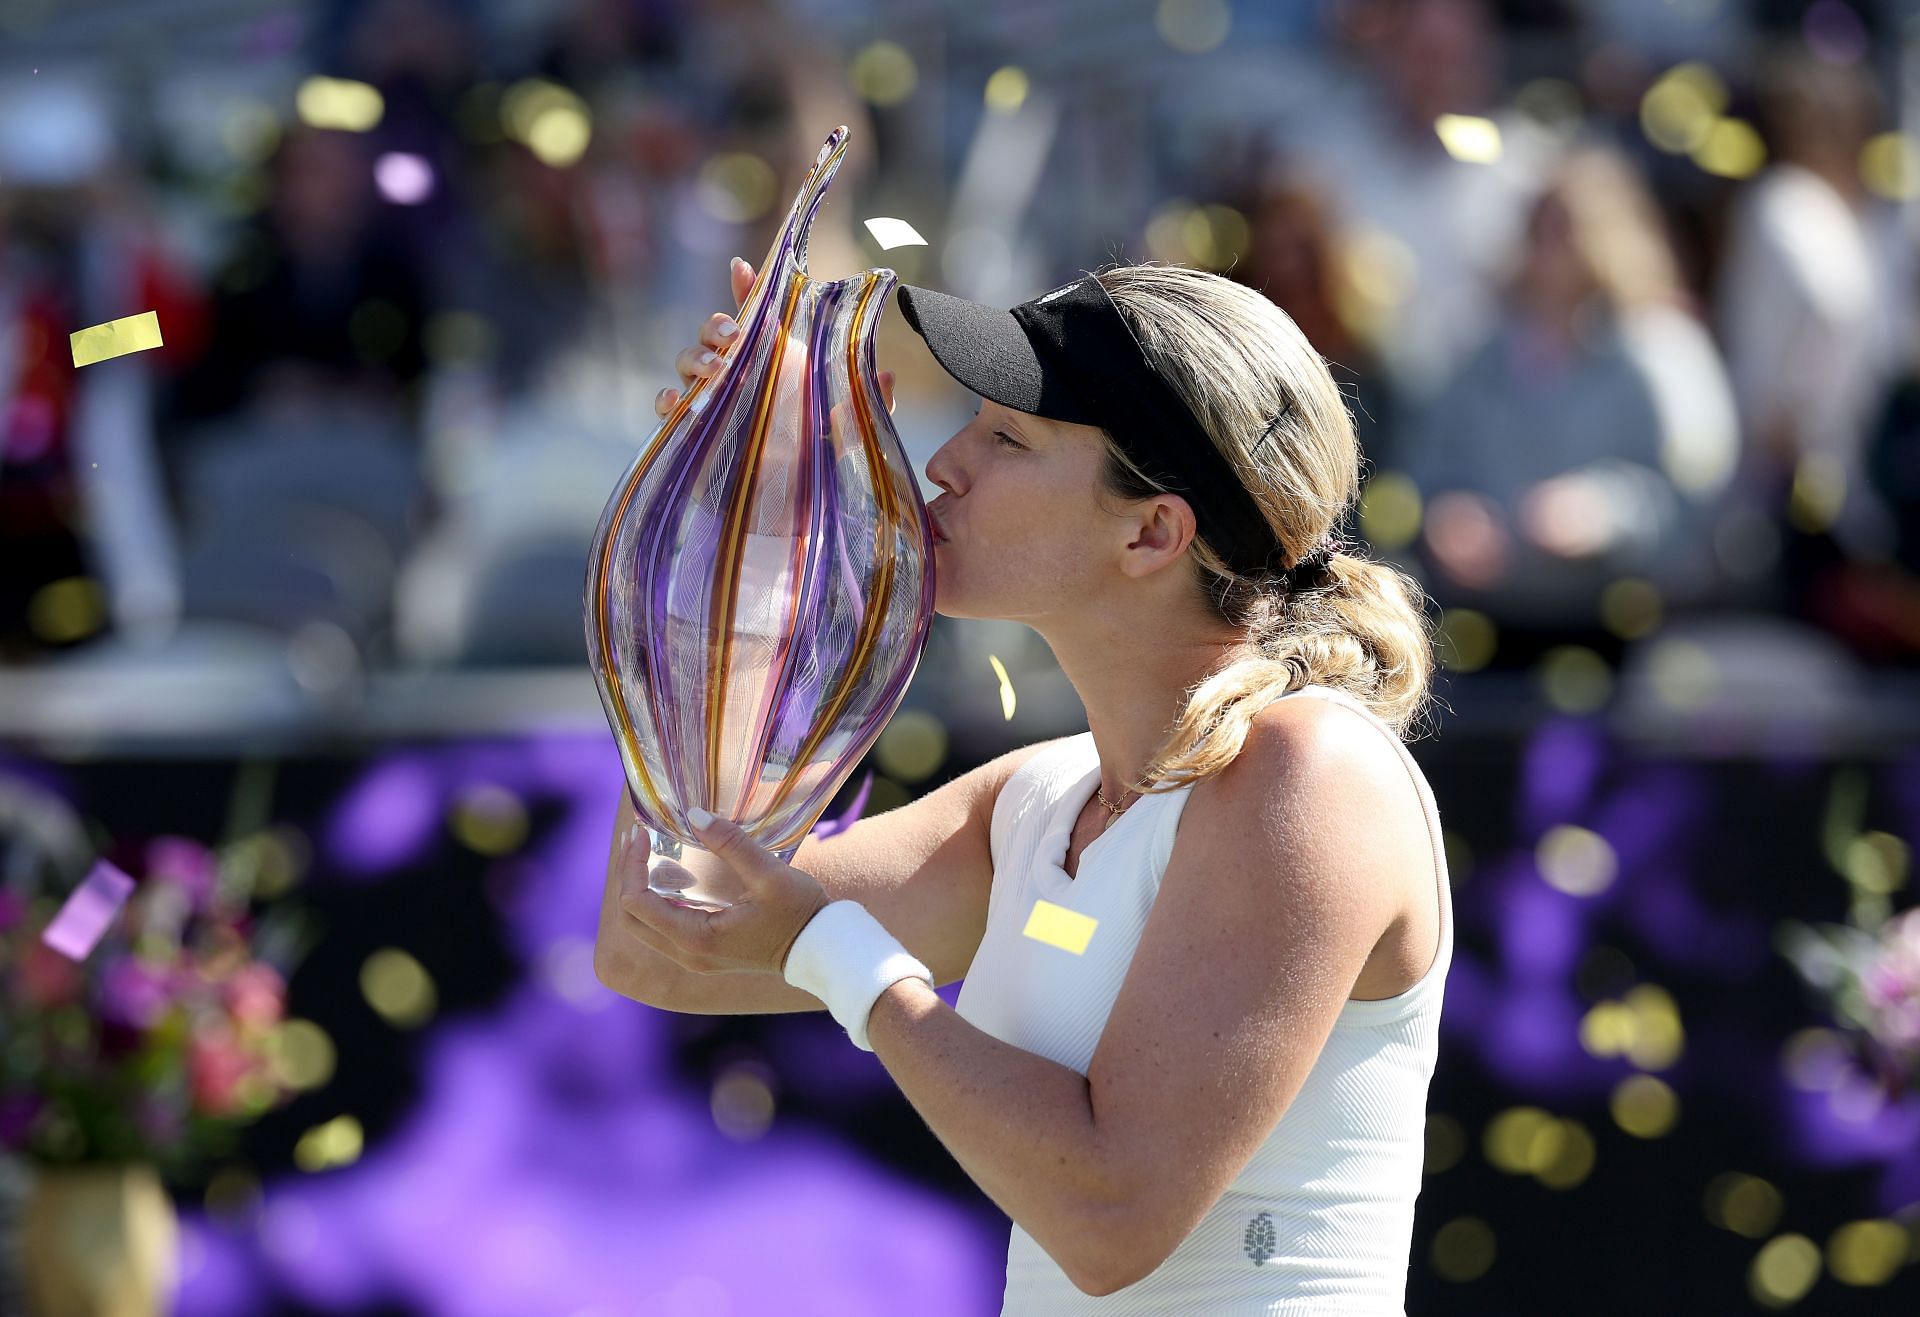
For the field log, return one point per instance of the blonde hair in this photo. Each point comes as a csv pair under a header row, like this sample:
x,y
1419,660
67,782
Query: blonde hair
x,y
1359,626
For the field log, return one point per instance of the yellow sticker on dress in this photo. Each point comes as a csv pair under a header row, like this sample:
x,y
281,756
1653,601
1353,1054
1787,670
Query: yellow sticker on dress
x,y
1060,927
116,338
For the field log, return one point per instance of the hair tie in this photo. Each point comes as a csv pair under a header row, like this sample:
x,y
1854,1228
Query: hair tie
x,y
1311,564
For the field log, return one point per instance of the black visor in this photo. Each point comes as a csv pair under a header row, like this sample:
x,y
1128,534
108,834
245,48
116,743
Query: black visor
x,y
1069,355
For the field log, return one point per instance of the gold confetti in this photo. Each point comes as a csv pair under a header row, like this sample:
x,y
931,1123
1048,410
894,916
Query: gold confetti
x,y
1060,927
116,338
1006,688
1469,138
890,233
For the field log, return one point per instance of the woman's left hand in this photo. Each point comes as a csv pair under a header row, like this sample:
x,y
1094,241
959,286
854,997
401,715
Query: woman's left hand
x,y
753,934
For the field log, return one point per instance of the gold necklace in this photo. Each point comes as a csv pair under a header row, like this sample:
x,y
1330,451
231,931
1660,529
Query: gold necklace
x,y
1113,811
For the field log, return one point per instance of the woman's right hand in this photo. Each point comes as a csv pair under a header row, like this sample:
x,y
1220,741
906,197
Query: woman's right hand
x,y
716,336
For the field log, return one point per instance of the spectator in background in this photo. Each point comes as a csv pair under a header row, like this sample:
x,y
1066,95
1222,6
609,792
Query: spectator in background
x,y
1436,228
86,541
1294,256
1562,457
1812,322
316,301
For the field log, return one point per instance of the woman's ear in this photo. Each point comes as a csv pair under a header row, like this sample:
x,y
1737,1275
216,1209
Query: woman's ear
x,y
1165,531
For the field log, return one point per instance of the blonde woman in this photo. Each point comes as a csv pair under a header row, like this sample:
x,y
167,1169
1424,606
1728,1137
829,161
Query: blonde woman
x,y
1218,1103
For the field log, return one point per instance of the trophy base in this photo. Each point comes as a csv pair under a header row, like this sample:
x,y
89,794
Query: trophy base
x,y
689,876
685,900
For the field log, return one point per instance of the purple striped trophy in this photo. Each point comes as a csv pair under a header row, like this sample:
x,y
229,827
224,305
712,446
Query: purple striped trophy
x,y
760,586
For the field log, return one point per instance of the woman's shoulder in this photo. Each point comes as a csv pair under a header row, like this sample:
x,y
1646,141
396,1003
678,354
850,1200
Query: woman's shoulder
x,y
1318,741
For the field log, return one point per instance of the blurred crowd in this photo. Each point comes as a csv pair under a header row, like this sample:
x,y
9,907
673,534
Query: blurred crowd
x,y
1623,295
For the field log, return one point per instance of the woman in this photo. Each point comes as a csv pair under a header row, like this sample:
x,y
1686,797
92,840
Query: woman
x,y
1217,1103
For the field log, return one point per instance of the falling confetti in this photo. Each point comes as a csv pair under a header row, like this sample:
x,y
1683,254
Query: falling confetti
x,y
1060,927
116,338
891,233
1006,688
829,827
1469,139
88,912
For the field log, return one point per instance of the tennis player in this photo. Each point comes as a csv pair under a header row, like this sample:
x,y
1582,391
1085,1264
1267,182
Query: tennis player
x,y
1205,942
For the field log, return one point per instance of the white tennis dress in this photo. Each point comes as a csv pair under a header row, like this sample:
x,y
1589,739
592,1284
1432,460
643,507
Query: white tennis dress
x,y
1321,1219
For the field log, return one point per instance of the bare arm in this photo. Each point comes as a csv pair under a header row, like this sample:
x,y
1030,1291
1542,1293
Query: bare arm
x,y
923,870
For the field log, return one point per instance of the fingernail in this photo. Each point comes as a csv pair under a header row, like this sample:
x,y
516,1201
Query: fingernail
x,y
699,817
738,261
728,329
705,359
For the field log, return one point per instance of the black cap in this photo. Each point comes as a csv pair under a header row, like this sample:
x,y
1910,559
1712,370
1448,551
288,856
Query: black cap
x,y
1069,355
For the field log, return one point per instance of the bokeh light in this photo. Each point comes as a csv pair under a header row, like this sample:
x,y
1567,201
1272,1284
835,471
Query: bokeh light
x,y
489,819
1745,1204
339,103
1463,1249
912,747
1645,1107
399,988
337,1143
1390,511
1465,640
1682,673
1630,607
403,178
743,1101
737,187
883,73
1446,1143
1785,1268
300,1054
1890,166
1732,148
1867,1253
1576,860
1193,26
1680,109
1574,679
1007,89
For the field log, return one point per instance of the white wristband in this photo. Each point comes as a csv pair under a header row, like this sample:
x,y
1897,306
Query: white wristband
x,y
846,958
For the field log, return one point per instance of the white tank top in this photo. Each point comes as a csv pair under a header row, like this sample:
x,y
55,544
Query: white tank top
x,y
1321,1220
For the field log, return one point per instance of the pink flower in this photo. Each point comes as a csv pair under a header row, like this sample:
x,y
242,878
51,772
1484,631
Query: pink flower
x,y
1890,983
256,994
215,1067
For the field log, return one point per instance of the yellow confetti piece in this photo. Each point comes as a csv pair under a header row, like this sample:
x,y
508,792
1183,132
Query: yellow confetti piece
x,y
116,338
1469,138
890,233
1060,927
1006,688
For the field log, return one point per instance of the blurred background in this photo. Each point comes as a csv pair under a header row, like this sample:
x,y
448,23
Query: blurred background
x,y
1622,292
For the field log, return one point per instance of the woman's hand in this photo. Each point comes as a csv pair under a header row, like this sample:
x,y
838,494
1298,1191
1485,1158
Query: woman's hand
x,y
717,336
753,934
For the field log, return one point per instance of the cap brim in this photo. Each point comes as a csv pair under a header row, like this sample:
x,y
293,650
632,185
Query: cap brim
x,y
986,349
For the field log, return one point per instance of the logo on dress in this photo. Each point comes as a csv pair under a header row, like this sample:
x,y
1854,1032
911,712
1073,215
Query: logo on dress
x,y
1061,291
1260,1239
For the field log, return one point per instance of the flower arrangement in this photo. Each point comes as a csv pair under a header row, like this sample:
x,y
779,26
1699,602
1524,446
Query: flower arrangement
x,y
166,1037
1867,971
